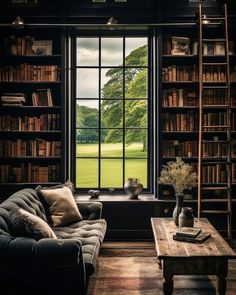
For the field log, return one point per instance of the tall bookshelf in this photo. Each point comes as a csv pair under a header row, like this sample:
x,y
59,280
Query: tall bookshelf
x,y
178,101
31,129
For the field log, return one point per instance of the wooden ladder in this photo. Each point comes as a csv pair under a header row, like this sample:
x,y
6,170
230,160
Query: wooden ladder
x,y
214,154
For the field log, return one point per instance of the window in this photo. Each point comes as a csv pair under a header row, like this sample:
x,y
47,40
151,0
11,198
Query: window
x,y
111,111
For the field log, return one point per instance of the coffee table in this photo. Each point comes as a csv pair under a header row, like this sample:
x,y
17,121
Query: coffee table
x,y
183,258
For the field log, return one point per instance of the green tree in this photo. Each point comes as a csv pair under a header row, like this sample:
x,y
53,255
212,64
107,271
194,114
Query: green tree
x,y
135,110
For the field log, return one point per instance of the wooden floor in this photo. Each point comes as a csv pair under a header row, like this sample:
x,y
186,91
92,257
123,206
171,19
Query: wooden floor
x,y
131,269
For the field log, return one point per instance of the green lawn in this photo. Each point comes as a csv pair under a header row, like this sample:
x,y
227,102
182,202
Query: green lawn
x,y
111,169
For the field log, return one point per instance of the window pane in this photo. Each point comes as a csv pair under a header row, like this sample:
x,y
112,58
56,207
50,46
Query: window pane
x,y
87,51
136,52
136,169
111,173
136,143
112,143
111,51
87,83
136,83
87,113
112,83
135,113
86,173
87,142
112,113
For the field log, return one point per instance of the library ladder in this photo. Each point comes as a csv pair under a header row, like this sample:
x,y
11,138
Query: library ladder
x,y
214,154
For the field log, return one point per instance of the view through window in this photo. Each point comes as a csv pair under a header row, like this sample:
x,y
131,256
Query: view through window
x,y
111,111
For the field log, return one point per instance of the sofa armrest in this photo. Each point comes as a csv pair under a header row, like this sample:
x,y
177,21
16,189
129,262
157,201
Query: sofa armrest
x,y
90,210
28,253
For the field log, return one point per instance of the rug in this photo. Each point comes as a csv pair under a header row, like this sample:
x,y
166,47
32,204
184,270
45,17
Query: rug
x,y
139,275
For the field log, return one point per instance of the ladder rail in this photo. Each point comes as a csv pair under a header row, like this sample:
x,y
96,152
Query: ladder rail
x,y
227,123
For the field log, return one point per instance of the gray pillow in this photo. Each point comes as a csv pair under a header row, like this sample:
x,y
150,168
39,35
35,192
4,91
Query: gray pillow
x,y
25,224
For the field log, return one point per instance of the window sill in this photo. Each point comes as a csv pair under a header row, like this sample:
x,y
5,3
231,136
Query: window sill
x,y
116,198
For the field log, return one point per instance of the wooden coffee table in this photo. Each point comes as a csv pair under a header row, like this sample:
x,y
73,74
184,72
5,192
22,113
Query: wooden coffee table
x,y
182,258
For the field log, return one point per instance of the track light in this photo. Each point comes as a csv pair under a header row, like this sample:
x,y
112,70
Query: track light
x,y
18,22
205,21
112,22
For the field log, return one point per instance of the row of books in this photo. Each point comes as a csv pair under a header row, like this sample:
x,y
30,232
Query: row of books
x,y
180,122
178,97
27,45
26,123
214,73
30,148
215,97
30,73
29,173
215,119
176,148
215,149
176,73
233,175
214,173
183,45
12,99
213,48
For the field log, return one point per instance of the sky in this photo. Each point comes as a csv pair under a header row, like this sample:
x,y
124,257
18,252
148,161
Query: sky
x,y
88,55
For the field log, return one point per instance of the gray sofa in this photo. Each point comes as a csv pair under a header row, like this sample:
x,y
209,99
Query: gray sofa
x,y
49,266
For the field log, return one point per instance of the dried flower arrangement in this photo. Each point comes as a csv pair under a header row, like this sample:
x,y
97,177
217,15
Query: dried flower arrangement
x,y
179,175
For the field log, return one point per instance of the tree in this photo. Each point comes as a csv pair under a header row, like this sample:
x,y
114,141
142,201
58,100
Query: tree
x,y
135,110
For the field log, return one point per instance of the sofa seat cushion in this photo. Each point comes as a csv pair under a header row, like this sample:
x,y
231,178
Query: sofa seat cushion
x,y
91,234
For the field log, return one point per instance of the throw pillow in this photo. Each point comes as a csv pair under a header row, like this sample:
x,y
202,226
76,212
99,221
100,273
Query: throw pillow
x,y
62,206
24,223
68,184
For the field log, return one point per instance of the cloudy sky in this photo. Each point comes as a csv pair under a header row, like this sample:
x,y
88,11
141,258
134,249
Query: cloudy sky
x,y
88,55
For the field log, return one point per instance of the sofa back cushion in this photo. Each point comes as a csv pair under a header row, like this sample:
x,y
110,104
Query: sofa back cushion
x,y
26,199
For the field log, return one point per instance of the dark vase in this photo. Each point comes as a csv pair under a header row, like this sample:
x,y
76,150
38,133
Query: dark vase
x,y
178,208
186,217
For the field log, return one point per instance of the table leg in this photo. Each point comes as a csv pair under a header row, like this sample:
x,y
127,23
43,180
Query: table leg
x,y
167,279
222,270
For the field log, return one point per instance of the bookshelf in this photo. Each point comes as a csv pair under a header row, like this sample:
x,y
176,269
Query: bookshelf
x,y
31,129
178,101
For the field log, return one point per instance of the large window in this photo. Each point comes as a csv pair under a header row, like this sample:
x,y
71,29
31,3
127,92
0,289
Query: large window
x,y
111,111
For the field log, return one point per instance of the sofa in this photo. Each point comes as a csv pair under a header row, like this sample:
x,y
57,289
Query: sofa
x,y
49,266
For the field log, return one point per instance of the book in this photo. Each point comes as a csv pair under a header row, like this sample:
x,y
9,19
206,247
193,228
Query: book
x,y
191,232
200,238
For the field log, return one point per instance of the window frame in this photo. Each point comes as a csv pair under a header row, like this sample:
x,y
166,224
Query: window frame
x,y
150,97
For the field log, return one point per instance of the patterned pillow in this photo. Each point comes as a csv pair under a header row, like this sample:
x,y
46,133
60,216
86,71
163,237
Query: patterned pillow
x,y
25,224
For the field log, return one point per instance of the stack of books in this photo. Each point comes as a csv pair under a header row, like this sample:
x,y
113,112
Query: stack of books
x,y
191,234
12,99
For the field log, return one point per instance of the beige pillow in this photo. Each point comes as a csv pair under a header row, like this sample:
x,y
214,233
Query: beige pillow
x,y
24,223
62,206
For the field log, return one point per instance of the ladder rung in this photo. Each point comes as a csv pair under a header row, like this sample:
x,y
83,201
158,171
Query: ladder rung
x,y
214,63
217,188
214,40
214,126
213,87
215,141
215,211
213,18
215,106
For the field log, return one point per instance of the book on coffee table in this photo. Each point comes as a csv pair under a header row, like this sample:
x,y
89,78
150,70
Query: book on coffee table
x,y
200,238
191,232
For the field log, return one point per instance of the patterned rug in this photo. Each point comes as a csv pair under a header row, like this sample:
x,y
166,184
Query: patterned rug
x,y
137,274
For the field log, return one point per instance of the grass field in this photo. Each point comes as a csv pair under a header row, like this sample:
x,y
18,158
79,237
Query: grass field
x,y
111,169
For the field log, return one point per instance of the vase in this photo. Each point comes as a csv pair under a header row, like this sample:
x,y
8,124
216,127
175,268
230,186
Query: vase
x,y
178,208
133,188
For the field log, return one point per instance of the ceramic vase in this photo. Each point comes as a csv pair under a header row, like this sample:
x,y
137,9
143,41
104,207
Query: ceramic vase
x,y
178,208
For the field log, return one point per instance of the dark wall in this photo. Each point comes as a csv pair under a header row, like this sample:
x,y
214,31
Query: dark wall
x,y
85,11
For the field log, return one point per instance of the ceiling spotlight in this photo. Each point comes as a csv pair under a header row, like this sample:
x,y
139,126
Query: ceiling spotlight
x,y
112,22
18,22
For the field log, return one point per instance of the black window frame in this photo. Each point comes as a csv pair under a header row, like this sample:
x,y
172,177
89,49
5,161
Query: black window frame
x,y
150,102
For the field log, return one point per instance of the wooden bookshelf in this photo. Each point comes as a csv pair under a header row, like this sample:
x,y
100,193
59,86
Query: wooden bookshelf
x,y
31,149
